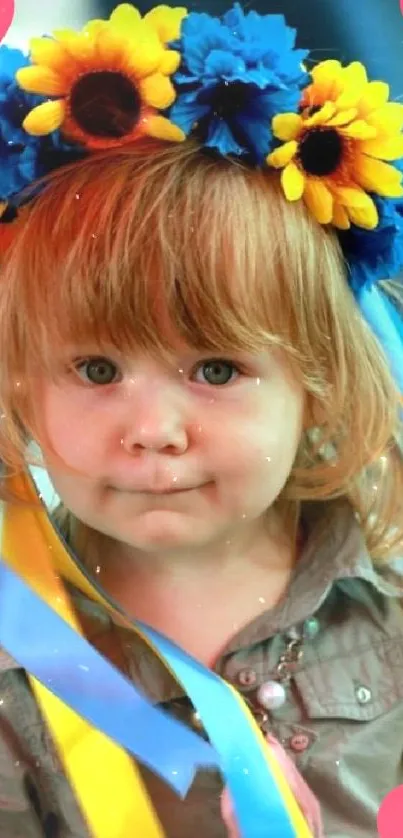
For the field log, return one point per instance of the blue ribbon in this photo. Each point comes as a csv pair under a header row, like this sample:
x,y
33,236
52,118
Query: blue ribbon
x,y
258,804
64,662
387,324
47,647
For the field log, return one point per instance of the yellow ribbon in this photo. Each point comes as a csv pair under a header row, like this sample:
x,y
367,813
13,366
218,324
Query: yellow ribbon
x,y
105,780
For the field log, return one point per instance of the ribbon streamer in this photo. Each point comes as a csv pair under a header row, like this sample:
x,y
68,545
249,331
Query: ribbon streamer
x,y
259,790
75,672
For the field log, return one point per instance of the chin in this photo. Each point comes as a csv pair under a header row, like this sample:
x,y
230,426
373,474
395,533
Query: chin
x,y
160,528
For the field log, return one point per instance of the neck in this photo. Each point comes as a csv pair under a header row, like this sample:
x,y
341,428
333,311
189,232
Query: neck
x,y
200,600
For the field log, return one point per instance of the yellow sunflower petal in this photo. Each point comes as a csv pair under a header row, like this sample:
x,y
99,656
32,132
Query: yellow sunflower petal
x,y
367,218
388,119
359,130
124,17
384,149
79,45
355,80
109,45
62,34
93,27
375,95
326,76
169,62
283,155
45,118
319,200
43,80
157,90
322,116
376,176
293,182
163,129
286,126
49,52
352,196
340,217
144,55
342,118
167,22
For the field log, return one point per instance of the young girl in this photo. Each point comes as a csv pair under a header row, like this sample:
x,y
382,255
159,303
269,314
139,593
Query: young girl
x,y
181,338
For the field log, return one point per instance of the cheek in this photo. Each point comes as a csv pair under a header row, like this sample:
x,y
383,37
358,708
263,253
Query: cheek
x,y
70,433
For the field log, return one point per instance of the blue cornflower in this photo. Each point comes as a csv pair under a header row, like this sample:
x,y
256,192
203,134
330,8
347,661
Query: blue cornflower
x,y
23,158
237,72
375,254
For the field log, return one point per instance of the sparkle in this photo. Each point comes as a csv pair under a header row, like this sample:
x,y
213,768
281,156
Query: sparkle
x,y
83,667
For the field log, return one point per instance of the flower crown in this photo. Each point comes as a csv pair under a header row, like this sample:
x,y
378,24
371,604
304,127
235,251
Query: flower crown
x,y
240,87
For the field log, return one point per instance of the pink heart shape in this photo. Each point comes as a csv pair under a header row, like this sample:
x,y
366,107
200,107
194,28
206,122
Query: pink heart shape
x,y
390,815
6,16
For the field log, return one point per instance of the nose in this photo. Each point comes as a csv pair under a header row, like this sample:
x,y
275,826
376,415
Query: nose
x,y
155,419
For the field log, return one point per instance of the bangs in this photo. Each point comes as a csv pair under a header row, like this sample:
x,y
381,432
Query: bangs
x,y
137,248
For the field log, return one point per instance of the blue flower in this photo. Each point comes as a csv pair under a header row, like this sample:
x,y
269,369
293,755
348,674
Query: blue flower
x,y
23,158
236,74
375,254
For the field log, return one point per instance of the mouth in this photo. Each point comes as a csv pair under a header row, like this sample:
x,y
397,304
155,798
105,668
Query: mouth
x,y
169,490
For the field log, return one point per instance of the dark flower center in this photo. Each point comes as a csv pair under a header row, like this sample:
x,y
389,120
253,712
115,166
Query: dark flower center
x,y
229,97
105,104
321,151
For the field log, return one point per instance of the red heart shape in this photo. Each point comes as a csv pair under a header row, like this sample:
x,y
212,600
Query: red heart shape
x,y
6,16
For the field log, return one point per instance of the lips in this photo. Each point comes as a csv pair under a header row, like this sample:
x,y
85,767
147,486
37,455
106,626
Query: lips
x,y
151,490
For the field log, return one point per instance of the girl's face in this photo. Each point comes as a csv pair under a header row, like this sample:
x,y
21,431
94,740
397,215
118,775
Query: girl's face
x,y
176,456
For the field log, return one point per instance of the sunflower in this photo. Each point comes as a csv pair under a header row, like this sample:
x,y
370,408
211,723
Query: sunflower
x,y
336,147
108,82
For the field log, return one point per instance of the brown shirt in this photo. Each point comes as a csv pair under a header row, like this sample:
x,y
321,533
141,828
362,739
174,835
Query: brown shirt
x,y
342,721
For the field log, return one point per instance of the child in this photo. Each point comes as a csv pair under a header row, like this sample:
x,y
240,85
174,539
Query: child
x,y
254,517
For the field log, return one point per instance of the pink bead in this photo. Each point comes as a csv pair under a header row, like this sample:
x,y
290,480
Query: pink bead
x,y
271,695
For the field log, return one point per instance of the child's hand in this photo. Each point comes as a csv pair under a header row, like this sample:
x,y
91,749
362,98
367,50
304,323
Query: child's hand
x,y
306,799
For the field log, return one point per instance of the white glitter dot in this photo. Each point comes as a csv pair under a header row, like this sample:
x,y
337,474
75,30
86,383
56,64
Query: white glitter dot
x,y
84,668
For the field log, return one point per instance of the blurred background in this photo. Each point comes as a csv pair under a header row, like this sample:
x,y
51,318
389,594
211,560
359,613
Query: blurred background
x,y
368,30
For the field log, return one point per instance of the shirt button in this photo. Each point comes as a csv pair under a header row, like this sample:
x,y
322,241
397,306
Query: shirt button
x,y
299,742
363,695
247,677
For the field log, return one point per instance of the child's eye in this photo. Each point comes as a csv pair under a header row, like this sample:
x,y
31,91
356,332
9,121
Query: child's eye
x,y
218,371
99,371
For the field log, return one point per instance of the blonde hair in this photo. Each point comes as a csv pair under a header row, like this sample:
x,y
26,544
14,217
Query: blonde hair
x,y
128,236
